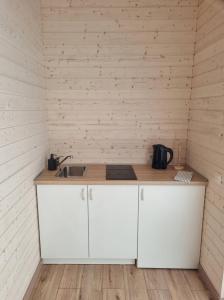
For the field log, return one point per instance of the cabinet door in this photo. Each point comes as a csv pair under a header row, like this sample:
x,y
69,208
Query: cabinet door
x,y
63,221
170,224
113,214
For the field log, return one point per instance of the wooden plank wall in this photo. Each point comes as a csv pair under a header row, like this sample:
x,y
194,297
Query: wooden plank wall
x,y
118,76
206,131
22,142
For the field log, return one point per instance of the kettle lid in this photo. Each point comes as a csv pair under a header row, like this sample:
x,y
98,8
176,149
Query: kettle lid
x,y
159,145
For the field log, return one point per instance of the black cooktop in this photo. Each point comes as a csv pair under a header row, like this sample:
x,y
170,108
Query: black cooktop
x,y
120,172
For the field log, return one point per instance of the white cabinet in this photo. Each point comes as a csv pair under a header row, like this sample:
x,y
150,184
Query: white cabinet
x,y
63,221
100,224
170,224
113,219
160,225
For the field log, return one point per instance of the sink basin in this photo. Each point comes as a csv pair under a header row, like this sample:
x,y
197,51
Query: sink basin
x,y
71,171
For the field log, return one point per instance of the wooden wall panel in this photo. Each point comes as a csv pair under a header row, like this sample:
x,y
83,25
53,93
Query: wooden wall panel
x,y
22,142
118,76
206,132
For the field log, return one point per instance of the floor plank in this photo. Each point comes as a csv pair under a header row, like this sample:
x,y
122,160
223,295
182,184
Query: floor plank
x,y
159,295
176,277
79,294
193,280
92,277
116,282
48,284
201,295
113,294
178,285
89,294
135,286
136,295
72,277
155,279
134,278
67,294
113,277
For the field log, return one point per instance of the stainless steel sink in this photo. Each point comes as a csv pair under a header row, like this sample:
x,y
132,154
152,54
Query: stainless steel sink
x,y
71,171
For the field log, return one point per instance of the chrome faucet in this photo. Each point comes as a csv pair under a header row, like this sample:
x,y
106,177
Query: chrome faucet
x,y
63,160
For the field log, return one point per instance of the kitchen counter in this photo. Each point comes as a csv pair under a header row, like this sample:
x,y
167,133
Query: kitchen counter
x,y
96,174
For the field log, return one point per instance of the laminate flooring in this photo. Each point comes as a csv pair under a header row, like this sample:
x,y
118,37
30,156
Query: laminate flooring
x,y
116,282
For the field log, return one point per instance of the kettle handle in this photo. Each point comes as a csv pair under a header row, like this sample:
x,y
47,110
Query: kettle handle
x,y
171,155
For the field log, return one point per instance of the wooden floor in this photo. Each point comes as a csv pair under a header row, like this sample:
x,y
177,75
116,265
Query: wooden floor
x,y
116,282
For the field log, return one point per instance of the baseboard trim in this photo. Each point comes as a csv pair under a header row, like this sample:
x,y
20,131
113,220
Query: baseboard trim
x,y
33,282
207,282
88,261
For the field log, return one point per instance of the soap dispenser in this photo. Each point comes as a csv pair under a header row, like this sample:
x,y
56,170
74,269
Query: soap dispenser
x,y
52,163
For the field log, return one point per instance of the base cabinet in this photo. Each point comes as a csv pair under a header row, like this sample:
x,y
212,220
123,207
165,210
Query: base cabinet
x,y
159,225
170,224
98,224
63,221
113,219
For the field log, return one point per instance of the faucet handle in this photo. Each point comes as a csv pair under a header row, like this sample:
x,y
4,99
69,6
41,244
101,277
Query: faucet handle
x,y
55,156
58,157
64,158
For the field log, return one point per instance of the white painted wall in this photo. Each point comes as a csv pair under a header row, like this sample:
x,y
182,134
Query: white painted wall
x,y
22,142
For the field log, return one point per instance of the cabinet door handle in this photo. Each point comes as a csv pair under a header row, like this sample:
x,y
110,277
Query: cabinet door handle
x,y
90,194
142,194
83,194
